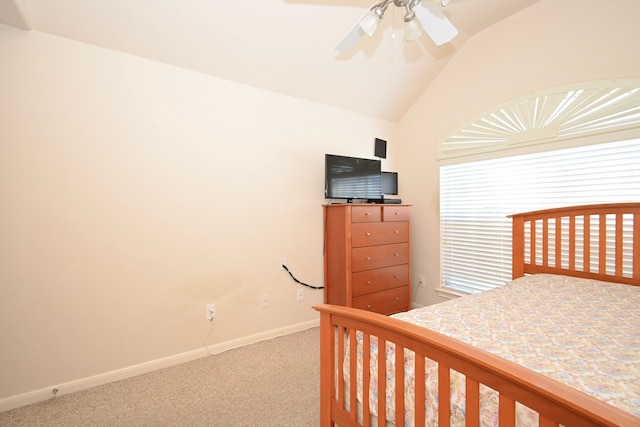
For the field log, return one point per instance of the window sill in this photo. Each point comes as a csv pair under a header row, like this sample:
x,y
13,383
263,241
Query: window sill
x,y
449,293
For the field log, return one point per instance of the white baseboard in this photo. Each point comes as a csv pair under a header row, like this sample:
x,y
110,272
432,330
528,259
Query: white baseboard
x,y
143,368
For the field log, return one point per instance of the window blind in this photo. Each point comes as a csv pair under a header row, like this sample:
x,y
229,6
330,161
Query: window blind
x,y
476,197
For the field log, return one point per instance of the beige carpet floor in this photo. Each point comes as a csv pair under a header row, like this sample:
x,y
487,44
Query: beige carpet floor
x,y
270,383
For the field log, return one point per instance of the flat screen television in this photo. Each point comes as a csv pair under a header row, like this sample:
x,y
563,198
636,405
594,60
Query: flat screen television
x,y
352,178
390,183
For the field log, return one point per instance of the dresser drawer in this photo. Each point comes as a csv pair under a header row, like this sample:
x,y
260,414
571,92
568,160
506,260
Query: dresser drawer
x,y
366,214
384,302
379,233
370,257
380,279
396,213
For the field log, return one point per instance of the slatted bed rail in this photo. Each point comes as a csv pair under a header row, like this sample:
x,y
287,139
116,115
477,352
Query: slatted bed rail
x,y
556,403
592,241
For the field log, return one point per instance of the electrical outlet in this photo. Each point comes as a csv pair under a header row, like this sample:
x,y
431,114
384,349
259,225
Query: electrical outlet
x,y
282,262
300,295
264,301
211,311
421,281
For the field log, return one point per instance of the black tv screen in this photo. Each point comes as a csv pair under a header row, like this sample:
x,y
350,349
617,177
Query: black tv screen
x,y
352,178
390,183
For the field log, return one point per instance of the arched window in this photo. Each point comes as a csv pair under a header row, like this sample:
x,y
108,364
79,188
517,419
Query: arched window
x,y
573,145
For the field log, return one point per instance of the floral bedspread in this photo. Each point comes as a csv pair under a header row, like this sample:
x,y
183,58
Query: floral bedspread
x,y
584,333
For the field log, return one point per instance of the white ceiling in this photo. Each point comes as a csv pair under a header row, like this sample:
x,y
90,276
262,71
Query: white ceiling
x,y
285,46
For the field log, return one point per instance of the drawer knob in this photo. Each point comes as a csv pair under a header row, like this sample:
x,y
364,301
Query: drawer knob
x,y
367,214
368,258
367,234
397,232
396,213
368,305
396,254
368,282
397,298
395,276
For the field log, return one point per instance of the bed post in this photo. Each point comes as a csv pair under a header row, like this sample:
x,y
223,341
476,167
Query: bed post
x,y
326,368
636,245
517,246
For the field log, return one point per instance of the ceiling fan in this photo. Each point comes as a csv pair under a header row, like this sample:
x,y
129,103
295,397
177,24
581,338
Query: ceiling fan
x,y
430,19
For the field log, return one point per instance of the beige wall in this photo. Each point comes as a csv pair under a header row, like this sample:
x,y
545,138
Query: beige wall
x,y
549,44
133,193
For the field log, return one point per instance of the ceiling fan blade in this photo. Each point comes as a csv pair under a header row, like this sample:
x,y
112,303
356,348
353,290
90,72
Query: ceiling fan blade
x,y
351,39
354,35
439,28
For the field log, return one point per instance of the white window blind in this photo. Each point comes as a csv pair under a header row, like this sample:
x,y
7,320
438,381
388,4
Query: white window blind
x,y
476,197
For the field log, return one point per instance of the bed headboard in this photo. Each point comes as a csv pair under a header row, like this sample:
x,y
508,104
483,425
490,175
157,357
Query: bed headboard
x,y
593,241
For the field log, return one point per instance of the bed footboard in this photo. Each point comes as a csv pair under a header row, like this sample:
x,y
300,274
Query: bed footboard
x,y
556,403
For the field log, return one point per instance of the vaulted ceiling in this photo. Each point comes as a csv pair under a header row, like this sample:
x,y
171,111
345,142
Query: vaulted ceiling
x,y
285,46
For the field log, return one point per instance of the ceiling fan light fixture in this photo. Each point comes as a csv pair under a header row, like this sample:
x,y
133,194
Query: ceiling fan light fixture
x,y
413,30
370,21
422,16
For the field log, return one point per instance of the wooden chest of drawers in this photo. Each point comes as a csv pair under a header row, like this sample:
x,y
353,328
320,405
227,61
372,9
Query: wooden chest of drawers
x,y
367,256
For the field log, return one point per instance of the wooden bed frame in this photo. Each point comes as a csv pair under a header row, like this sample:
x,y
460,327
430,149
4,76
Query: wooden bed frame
x,y
577,253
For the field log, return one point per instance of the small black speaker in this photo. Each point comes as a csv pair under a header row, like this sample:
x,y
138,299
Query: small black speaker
x,y
381,148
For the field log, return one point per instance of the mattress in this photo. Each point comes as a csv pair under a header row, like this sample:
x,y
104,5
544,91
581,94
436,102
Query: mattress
x,y
581,332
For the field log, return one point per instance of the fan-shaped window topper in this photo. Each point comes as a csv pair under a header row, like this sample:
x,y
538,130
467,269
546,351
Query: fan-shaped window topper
x,y
577,110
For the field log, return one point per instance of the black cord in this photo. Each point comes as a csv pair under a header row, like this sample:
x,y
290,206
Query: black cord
x,y
298,281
